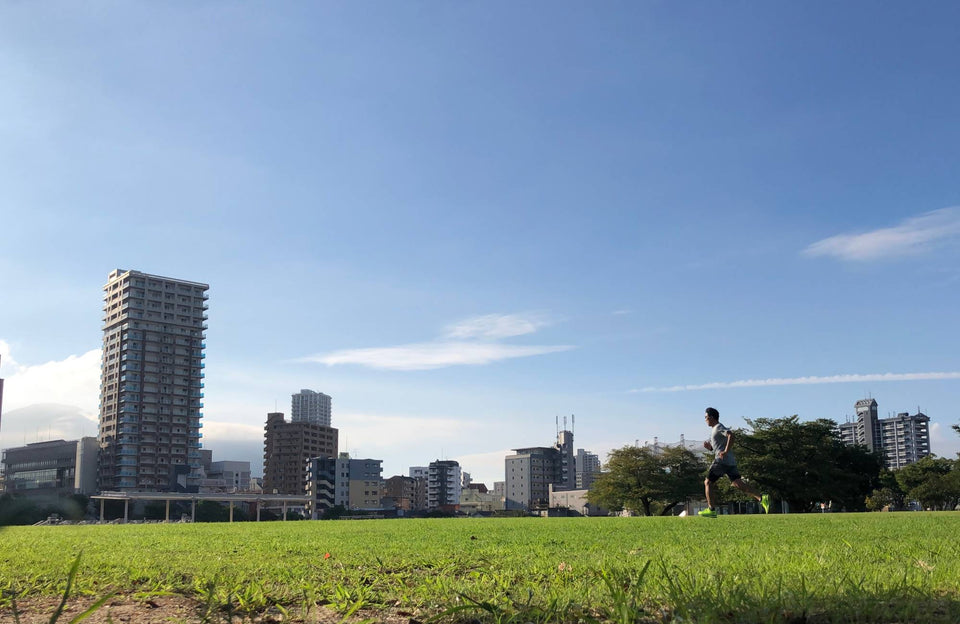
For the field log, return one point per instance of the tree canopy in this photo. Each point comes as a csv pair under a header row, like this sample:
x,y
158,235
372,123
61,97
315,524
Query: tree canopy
x,y
934,482
648,480
805,463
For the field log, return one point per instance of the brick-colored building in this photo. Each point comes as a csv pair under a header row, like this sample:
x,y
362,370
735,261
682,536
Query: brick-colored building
x,y
286,448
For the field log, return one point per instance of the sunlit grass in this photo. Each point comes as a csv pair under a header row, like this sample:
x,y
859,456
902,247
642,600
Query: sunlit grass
x,y
842,567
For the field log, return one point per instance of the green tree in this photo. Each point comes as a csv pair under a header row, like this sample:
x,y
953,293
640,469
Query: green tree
x,y
646,480
805,463
932,481
889,494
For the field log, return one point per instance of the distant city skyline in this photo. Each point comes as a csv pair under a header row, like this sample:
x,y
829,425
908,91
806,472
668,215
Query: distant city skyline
x,y
462,221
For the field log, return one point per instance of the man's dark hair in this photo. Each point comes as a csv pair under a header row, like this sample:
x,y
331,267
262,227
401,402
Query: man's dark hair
x,y
713,413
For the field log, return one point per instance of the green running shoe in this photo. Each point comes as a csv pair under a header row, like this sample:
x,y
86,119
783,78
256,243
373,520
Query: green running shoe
x,y
707,513
765,503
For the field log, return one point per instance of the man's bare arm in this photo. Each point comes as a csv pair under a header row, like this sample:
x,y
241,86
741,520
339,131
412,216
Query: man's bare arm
x,y
726,449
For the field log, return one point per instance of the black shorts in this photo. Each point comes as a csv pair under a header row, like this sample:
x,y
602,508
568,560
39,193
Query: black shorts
x,y
717,470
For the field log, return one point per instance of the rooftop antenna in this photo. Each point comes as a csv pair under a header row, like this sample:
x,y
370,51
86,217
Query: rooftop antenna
x,y
573,423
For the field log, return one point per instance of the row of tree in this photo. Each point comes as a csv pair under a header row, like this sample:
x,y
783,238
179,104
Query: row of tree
x,y
802,463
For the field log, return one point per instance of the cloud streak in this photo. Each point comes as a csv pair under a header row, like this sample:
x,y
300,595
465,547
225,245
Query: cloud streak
x,y
493,326
432,355
471,342
813,380
913,236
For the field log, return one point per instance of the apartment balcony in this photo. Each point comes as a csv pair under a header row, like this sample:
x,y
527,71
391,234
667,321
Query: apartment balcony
x,y
127,462
128,451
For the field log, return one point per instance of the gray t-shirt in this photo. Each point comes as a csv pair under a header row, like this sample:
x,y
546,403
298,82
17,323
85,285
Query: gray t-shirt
x,y
718,439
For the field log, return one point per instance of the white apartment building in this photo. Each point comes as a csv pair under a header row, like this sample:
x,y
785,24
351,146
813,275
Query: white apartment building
x,y
312,407
902,439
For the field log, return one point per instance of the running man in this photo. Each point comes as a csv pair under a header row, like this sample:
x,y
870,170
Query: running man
x,y
724,463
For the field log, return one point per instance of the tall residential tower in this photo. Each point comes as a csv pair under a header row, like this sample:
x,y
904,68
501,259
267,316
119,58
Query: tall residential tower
x,y
151,383
312,407
902,440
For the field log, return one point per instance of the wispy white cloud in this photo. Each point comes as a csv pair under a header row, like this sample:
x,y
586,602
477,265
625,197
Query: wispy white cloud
x,y
799,381
912,236
431,355
493,326
473,341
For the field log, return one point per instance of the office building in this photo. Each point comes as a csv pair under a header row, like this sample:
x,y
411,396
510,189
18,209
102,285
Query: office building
x,y
905,438
477,499
312,407
151,383
52,468
364,482
588,467
530,472
226,476
406,493
354,484
902,439
321,485
286,448
444,482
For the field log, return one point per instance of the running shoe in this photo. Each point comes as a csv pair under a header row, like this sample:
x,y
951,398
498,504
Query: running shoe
x,y
765,503
707,513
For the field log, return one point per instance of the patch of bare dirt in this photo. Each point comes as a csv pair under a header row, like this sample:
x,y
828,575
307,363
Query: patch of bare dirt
x,y
183,610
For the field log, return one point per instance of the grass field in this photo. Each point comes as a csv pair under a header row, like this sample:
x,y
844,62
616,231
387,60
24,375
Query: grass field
x,y
783,568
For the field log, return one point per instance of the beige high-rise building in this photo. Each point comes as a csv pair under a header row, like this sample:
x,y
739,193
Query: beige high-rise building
x,y
151,383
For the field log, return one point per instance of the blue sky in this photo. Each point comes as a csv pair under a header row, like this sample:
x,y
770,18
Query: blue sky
x,y
464,221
